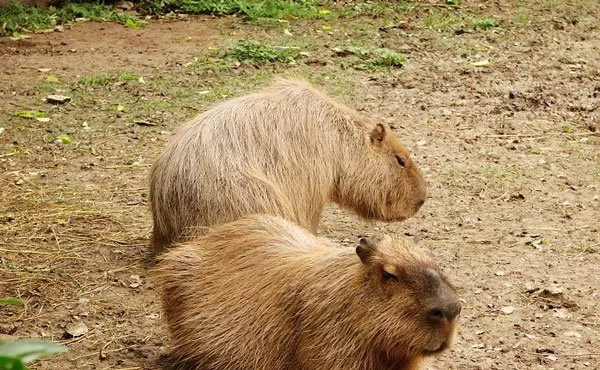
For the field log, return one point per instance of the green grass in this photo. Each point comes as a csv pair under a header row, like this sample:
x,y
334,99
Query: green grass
x,y
587,248
128,77
16,17
94,81
387,58
107,79
251,9
483,24
495,171
362,58
440,20
521,18
376,9
567,129
254,52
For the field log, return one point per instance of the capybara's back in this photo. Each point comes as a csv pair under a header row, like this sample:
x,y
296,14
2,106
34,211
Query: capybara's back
x,y
262,293
284,151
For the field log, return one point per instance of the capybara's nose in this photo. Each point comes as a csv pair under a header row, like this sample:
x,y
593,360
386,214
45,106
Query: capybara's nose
x,y
448,311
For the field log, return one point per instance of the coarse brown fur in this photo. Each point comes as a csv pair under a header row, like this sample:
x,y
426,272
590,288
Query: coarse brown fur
x,y
262,293
285,151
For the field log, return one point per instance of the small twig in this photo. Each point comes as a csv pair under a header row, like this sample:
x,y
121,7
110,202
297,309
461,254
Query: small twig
x,y
76,340
501,196
125,166
24,251
506,292
542,135
110,351
9,154
55,237
443,6
189,107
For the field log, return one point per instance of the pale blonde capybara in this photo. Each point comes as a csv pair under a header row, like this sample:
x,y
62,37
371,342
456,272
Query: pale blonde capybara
x,y
286,151
262,293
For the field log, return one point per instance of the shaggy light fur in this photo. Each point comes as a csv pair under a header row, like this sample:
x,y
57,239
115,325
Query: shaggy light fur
x,y
262,293
285,151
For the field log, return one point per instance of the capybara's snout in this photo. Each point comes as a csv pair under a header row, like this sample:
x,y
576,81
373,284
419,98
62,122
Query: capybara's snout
x,y
419,203
421,193
444,312
441,314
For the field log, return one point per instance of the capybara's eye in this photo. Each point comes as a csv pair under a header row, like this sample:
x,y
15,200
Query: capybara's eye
x,y
388,276
400,161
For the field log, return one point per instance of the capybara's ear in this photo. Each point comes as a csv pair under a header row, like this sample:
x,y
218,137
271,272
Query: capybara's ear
x,y
365,249
378,134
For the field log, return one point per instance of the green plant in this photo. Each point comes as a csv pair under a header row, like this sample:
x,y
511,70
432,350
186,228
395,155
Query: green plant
x,y
10,301
483,24
129,77
495,171
387,58
567,129
16,17
15,355
581,248
99,80
369,59
440,20
252,52
251,9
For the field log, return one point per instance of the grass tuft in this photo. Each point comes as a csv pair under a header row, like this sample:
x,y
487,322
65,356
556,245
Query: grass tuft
x,y
16,17
254,52
99,80
387,58
440,20
483,24
277,9
369,59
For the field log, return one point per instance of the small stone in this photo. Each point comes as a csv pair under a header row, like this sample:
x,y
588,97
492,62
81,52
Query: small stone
x,y
551,357
145,123
58,99
572,334
507,310
561,313
125,5
76,329
556,290
136,281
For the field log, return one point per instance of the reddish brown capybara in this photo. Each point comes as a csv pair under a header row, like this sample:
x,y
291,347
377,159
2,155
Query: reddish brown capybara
x,y
286,151
262,293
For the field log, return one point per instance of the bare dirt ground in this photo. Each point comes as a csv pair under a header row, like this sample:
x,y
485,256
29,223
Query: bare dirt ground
x,y
510,150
